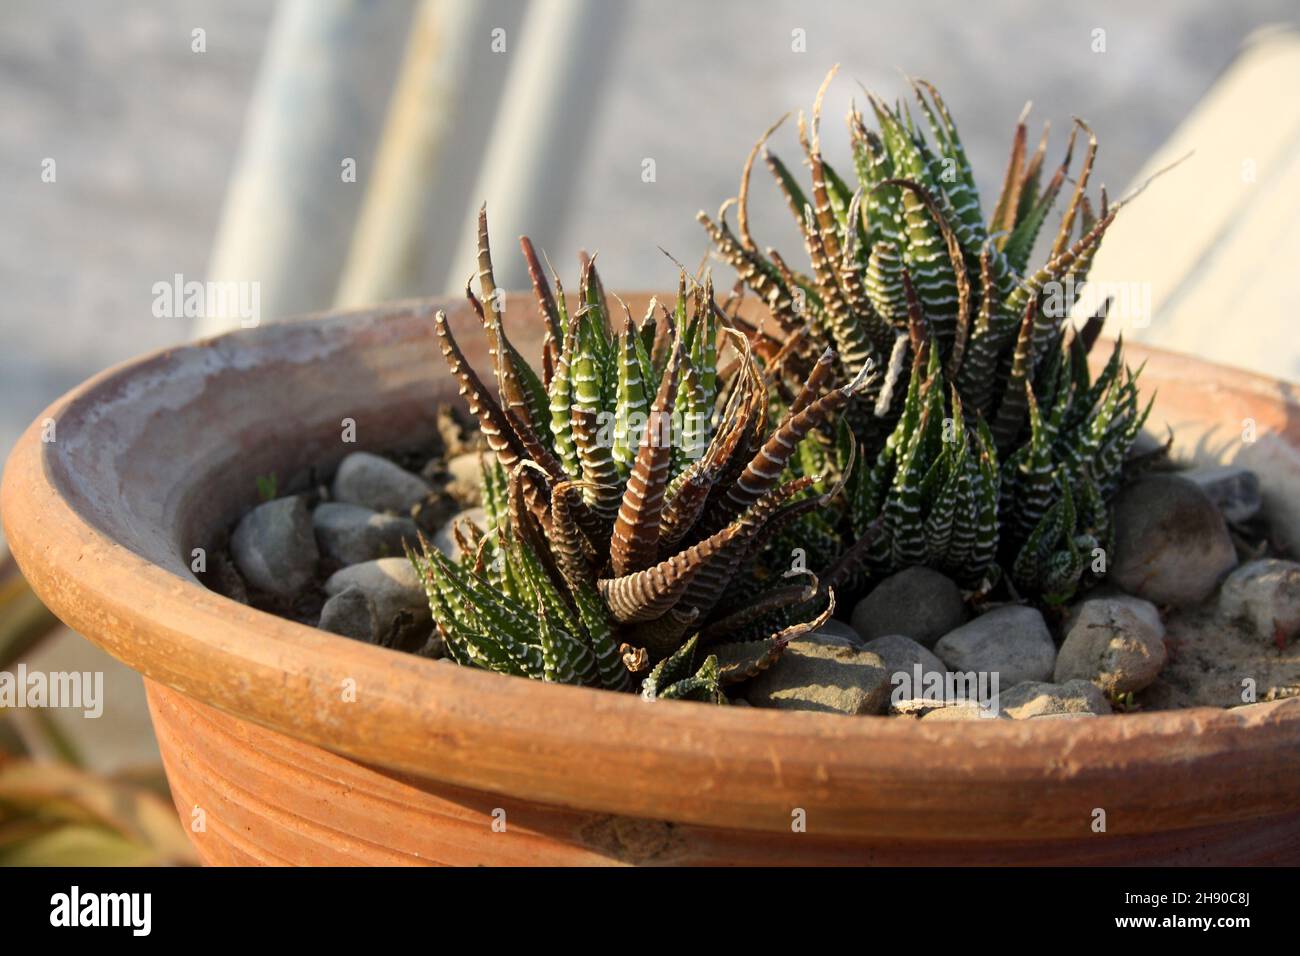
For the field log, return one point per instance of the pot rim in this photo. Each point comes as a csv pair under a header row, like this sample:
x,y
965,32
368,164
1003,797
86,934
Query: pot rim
x,y
595,750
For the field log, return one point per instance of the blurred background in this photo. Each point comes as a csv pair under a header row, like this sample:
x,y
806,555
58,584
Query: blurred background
x,y
336,151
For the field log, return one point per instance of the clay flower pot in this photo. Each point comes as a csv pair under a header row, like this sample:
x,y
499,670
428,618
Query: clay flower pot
x,y
428,762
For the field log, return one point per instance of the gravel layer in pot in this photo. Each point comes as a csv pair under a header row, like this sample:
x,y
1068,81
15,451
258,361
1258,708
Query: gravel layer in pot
x,y
1212,605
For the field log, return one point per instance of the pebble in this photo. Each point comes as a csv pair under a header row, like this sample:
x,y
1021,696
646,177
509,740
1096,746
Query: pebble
x,y
960,710
460,476
1266,595
901,656
391,584
837,628
918,602
1172,545
1038,699
823,673
274,548
378,484
1012,642
351,534
466,468
1117,643
1233,489
351,614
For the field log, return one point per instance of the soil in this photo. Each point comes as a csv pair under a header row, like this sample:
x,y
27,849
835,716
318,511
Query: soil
x,y
1220,663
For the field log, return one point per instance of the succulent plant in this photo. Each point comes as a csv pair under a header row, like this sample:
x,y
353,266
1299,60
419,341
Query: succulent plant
x,y
631,491
643,498
989,447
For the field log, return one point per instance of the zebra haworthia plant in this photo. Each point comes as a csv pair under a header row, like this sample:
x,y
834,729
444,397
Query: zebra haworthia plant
x,y
990,448
630,492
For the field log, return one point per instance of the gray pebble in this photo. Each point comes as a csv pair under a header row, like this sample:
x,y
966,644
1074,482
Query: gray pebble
x,y
918,602
274,548
1012,642
351,534
378,484
1171,543
351,614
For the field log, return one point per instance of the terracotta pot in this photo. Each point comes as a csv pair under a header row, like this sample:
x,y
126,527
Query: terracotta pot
x,y
154,457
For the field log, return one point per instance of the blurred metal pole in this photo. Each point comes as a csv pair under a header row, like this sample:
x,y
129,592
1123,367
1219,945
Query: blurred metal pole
x,y
438,123
535,154
289,210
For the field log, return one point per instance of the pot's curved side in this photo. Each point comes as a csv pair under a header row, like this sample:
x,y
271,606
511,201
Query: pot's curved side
x,y
252,796
152,457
